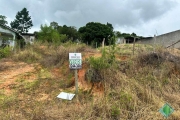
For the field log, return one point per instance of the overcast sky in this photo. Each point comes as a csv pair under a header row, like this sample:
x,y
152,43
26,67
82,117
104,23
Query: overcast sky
x,y
144,17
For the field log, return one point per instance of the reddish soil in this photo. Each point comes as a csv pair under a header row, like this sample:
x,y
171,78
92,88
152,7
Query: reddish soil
x,y
13,71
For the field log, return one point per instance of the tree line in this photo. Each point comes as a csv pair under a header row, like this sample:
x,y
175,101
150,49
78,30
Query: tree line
x,y
92,33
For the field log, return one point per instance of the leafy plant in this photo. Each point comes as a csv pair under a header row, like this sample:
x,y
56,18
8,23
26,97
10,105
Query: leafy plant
x,y
112,50
48,34
5,52
98,63
115,111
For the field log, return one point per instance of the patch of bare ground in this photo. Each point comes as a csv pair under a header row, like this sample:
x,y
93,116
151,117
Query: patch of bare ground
x,y
12,71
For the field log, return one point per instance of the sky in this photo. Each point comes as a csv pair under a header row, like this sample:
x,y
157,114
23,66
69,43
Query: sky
x,y
143,17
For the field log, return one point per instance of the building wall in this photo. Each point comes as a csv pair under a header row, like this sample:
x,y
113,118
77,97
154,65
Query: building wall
x,y
10,39
164,40
120,40
29,39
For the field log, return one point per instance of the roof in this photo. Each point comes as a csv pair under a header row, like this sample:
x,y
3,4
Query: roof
x,y
12,30
29,34
9,28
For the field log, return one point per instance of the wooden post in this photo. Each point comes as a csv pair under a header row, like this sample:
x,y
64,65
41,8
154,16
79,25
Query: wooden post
x,y
96,44
103,42
134,45
154,41
76,81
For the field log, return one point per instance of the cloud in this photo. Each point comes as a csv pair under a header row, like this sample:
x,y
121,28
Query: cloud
x,y
164,23
124,15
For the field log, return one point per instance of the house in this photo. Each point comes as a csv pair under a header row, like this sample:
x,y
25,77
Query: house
x,y
163,40
120,40
29,37
8,36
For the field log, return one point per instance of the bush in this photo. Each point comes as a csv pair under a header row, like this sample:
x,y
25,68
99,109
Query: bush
x,y
98,63
28,56
56,57
5,52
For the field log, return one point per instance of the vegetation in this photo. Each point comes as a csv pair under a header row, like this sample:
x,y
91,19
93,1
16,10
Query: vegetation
x,y
5,52
70,32
132,88
48,34
3,20
22,22
115,82
93,33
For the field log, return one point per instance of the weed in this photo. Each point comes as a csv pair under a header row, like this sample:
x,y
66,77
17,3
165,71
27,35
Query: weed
x,y
125,99
28,56
5,52
115,112
8,101
165,81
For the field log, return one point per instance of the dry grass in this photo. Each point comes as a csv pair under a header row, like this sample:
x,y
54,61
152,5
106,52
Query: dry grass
x,y
134,89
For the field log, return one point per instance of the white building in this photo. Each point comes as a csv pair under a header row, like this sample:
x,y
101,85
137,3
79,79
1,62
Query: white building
x,y
8,36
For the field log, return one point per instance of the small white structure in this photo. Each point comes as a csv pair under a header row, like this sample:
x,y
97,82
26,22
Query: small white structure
x,y
120,40
29,37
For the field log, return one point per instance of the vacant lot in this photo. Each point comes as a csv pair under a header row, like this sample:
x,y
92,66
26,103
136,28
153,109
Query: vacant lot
x,y
113,83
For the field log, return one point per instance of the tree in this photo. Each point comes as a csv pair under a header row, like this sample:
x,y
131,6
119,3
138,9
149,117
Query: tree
x,y
3,20
54,25
117,34
22,22
95,32
50,35
133,35
110,26
71,32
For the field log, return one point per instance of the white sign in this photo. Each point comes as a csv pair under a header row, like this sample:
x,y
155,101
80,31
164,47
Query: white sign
x,y
67,96
75,61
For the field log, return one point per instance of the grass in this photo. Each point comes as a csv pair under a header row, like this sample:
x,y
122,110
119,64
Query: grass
x,y
132,89
127,49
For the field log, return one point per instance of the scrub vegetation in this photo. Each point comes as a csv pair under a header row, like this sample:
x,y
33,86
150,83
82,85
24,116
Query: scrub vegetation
x,y
114,84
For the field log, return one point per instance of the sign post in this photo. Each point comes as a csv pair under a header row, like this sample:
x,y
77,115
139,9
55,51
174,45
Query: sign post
x,y
75,62
76,81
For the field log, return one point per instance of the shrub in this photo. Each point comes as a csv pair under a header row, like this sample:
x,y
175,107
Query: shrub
x,y
99,65
5,52
28,56
56,57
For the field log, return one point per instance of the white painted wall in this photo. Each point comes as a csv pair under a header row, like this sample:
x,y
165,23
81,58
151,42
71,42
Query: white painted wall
x,y
11,40
120,41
